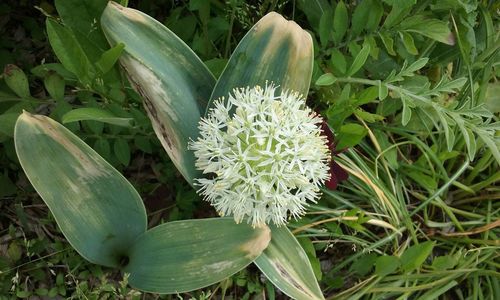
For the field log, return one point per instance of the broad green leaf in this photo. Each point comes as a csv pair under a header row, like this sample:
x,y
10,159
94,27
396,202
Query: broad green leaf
x,y
69,51
326,80
174,83
385,265
96,208
274,50
415,256
286,265
359,60
340,22
350,135
186,255
16,80
95,114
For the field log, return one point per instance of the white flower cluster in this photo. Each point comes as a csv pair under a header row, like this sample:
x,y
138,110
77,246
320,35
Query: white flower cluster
x,y
264,156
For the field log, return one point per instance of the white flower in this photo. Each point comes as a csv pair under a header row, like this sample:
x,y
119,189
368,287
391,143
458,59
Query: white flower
x,y
264,156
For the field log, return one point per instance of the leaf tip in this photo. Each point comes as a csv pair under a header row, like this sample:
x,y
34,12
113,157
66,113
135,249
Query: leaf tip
x,y
254,247
450,39
117,9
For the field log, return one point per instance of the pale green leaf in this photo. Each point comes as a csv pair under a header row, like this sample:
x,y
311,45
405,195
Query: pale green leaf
x,y
96,208
274,50
286,265
174,83
186,255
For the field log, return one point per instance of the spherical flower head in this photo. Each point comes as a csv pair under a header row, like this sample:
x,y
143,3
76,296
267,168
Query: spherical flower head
x,y
264,155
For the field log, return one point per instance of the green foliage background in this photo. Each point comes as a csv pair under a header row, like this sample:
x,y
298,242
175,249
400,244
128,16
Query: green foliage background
x,y
409,88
